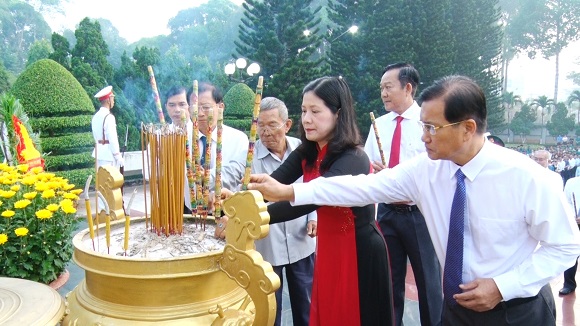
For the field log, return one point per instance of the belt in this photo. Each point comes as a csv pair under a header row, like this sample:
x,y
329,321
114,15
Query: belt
x,y
103,142
402,208
512,303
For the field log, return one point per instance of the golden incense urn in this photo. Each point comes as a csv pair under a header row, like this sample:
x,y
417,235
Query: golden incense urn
x,y
230,287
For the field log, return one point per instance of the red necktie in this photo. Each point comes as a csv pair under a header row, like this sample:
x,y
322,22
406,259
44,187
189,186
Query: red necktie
x,y
396,144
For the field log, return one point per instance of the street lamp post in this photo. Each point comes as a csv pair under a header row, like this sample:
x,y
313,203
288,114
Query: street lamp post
x,y
240,65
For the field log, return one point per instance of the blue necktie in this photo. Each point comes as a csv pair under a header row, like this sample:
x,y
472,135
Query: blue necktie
x,y
452,273
203,146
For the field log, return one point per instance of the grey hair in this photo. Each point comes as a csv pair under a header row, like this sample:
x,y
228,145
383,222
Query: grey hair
x,y
543,151
271,103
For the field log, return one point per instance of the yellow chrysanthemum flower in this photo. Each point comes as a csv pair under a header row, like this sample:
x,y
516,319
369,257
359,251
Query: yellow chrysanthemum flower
x,y
66,202
23,203
48,193
22,168
15,188
52,207
68,186
21,232
7,181
70,196
28,180
43,214
3,238
40,186
68,209
30,195
8,213
76,191
36,170
7,194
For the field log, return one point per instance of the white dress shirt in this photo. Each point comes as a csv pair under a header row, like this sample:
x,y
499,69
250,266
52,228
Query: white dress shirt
x,y
105,152
513,207
572,191
411,132
287,242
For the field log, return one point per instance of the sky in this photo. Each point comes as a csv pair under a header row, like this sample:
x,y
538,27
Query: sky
x,y
146,18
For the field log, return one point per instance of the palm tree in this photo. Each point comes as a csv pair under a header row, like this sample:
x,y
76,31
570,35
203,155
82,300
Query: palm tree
x,y
546,104
509,102
575,97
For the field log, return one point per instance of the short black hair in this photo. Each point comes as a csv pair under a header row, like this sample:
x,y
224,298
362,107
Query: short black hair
x,y
174,90
407,74
203,87
463,99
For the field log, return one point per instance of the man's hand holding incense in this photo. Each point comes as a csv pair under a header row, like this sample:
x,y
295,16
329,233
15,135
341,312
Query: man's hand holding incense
x,y
271,189
378,166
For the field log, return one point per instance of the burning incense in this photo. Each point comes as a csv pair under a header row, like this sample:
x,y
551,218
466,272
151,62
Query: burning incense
x,y
218,165
207,168
88,207
156,95
196,169
107,221
128,222
253,132
378,139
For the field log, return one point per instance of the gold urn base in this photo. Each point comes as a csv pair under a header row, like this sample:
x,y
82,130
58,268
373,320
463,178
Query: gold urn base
x,y
230,287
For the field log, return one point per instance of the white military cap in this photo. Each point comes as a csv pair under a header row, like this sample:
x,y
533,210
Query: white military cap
x,y
105,93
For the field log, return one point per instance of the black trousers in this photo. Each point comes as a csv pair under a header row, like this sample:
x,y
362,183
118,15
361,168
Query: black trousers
x,y
541,310
299,276
407,238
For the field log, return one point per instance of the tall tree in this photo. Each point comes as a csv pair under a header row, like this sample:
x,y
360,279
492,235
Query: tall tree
x,y
20,27
476,26
4,79
547,27
560,123
509,101
545,105
61,47
272,34
40,49
523,122
89,58
362,57
207,30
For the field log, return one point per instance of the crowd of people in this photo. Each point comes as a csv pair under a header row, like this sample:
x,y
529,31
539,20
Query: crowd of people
x,y
484,227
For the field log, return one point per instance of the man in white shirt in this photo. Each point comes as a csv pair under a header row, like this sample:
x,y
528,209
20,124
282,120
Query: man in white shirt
x,y
289,245
402,224
107,151
543,157
234,142
572,191
501,229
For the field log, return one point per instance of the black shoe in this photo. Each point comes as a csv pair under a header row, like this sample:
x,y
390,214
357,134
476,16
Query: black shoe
x,y
566,291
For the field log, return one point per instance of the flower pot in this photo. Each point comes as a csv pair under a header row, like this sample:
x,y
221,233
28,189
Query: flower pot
x,y
60,280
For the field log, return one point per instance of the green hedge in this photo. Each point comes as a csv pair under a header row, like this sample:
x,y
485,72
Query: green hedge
x,y
77,177
60,162
54,124
239,101
56,144
46,89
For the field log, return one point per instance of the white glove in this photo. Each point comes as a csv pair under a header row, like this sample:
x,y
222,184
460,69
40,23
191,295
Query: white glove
x,y
119,161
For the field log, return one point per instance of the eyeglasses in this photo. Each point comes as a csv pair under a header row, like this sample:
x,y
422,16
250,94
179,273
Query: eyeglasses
x,y
206,108
432,130
270,127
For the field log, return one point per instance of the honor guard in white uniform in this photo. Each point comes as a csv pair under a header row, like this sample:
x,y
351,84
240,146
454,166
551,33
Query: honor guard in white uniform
x,y
107,151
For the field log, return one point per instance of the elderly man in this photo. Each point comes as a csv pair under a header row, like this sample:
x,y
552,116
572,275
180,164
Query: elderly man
x,y
497,259
107,151
543,157
290,245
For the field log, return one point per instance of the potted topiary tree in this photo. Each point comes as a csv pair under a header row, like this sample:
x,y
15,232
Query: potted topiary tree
x,y
61,111
239,102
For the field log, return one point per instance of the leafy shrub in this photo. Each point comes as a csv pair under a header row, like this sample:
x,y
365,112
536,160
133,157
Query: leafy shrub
x,y
239,102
